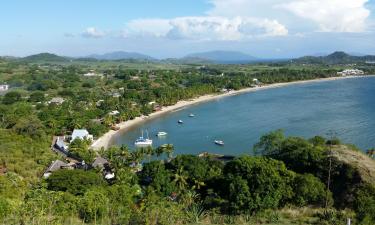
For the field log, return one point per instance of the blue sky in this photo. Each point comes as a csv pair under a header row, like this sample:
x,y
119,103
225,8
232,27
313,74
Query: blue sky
x,y
171,28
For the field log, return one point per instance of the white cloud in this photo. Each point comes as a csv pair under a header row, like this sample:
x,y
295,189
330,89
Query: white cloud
x,y
332,15
207,28
327,15
92,32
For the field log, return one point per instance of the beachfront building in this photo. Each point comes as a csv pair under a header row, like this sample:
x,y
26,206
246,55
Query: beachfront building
x,y
82,134
351,72
4,87
114,113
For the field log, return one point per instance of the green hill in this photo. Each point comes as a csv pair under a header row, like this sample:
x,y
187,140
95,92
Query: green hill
x,y
46,57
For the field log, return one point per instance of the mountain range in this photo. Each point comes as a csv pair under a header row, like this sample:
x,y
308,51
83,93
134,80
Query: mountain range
x,y
212,57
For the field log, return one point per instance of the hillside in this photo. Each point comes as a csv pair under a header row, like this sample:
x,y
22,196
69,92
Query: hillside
x,y
45,57
361,162
335,58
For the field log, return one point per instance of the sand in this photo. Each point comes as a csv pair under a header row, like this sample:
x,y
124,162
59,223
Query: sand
x,y
105,140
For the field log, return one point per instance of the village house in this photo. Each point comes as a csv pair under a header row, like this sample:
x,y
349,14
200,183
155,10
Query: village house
x,y
55,165
4,87
82,134
56,101
114,113
92,73
61,145
351,72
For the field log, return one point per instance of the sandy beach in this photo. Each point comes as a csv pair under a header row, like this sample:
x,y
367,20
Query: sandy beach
x,y
105,140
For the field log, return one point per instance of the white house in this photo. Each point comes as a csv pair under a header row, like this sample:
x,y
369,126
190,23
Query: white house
x,y
81,134
4,87
56,100
351,72
114,113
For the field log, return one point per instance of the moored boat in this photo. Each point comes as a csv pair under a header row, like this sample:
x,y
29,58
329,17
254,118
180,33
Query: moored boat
x,y
191,115
142,141
161,133
180,122
219,142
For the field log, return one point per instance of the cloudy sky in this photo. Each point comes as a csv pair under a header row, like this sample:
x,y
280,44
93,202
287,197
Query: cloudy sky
x,y
172,28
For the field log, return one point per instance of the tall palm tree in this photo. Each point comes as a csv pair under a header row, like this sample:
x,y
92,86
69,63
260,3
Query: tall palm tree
x,y
180,179
169,149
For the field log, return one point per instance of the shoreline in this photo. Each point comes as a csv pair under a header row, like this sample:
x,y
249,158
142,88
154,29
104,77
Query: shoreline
x,y
105,140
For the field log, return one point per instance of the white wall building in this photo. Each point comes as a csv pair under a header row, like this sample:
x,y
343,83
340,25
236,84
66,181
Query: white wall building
x,y
81,134
4,87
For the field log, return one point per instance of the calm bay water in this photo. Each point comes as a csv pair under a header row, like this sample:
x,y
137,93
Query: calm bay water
x,y
345,106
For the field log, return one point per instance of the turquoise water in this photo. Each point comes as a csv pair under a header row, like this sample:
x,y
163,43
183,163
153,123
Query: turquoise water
x,y
346,107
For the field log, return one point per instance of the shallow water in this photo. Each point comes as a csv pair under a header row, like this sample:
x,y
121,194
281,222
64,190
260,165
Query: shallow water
x,y
346,107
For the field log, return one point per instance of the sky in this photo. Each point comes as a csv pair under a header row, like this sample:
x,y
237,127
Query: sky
x,y
174,28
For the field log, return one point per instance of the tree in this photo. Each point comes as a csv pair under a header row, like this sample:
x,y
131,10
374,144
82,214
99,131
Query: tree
x,y
75,182
364,204
37,96
11,97
80,149
155,175
266,183
180,179
270,143
30,126
309,190
93,205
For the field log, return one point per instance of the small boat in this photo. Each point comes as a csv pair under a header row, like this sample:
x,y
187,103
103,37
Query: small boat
x,y
143,142
219,142
180,122
161,133
191,115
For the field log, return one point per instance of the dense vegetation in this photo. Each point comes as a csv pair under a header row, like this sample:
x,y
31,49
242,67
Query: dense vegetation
x,y
284,173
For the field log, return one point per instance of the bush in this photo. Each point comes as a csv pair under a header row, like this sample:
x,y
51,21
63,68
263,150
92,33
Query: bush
x,y
74,181
364,204
257,183
309,190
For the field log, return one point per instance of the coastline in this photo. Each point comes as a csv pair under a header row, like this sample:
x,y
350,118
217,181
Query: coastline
x,y
105,140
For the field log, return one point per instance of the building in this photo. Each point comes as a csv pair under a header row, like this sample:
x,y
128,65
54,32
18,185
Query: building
x,y
99,162
55,165
82,134
56,101
4,87
114,113
61,145
351,72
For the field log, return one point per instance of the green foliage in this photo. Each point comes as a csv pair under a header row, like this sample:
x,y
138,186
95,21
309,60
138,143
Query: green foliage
x,y
155,176
297,153
256,183
11,97
30,126
365,204
93,205
76,182
309,190
80,149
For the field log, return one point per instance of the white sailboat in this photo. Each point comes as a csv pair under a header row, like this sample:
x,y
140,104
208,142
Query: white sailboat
x,y
143,142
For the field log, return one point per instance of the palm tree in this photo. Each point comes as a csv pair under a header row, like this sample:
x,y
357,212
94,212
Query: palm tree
x,y
198,185
180,179
169,149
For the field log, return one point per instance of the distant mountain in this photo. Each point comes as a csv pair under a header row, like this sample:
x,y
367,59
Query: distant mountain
x,y
335,58
45,57
187,61
120,55
223,57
